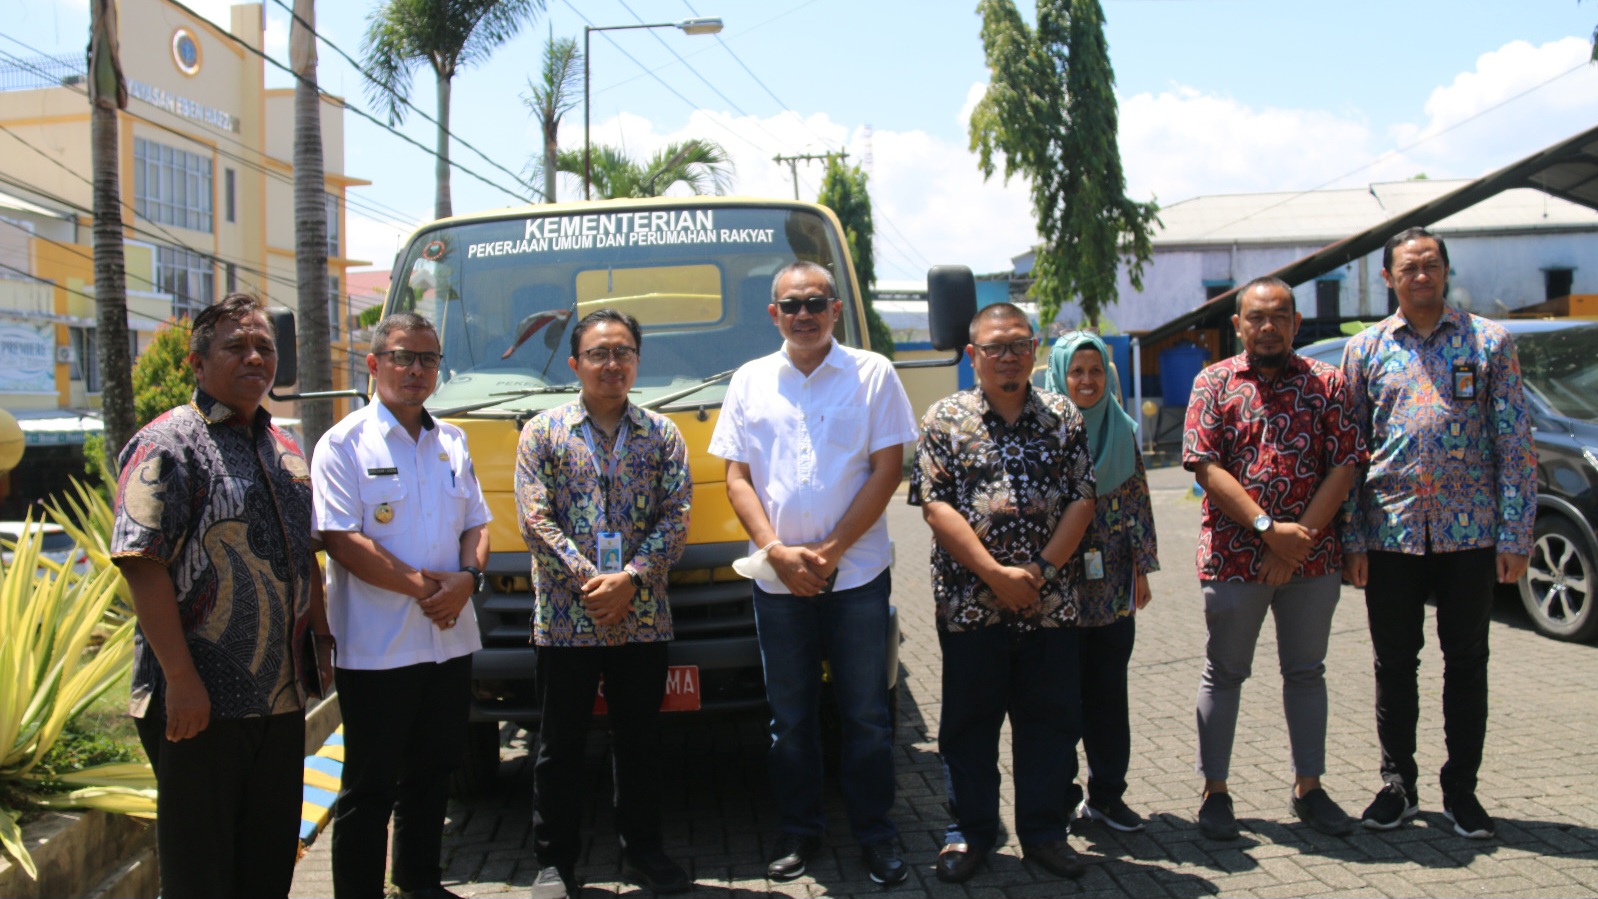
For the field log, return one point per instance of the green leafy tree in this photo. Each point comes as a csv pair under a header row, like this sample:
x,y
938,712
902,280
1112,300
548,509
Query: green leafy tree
x,y
549,98
1050,111
702,165
448,35
162,377
369,317
843,190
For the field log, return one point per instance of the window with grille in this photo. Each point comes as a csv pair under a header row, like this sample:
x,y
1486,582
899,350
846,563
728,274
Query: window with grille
x,y
189,277
171,186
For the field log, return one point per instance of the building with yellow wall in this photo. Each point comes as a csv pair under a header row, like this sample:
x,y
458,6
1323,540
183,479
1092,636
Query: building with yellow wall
x,y
208,207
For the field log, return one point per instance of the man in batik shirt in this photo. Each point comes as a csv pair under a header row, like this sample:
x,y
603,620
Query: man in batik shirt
x,y
602,493
1005,480
1445,511
213,532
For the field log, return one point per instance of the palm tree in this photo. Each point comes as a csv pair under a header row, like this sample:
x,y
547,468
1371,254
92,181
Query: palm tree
x,y
310,228
107,94
554,95
702,165
449,35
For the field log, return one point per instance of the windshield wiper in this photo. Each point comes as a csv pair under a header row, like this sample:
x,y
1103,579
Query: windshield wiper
x,y
660,401
505,397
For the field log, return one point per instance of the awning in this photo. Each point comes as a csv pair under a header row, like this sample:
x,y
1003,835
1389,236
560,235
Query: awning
x,y
57,427
1567,170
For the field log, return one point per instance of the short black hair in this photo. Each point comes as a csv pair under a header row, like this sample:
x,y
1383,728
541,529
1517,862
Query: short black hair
x,y
607,315
1265,281
399,321
237,306
804,265
996,312
1405,236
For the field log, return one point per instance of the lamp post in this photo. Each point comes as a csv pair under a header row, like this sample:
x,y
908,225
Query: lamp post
x,y
710,25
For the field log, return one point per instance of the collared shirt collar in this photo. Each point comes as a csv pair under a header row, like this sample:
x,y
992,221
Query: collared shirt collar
x,y
1294,365
385,417
1451,318
216,412
576,412
1033,407
834,358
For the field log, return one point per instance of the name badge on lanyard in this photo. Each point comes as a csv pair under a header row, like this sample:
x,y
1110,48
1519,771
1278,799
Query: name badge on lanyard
x,y
1464,381
607,472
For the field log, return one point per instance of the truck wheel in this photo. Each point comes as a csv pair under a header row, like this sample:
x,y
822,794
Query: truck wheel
x,y
479,768
1560,580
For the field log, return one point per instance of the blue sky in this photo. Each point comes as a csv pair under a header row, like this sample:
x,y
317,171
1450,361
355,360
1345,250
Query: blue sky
x,y
1217,96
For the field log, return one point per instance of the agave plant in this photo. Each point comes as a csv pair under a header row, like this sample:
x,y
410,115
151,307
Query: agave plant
x,y
86,516
49,673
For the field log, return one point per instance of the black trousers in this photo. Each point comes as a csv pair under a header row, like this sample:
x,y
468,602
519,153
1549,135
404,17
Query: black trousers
x,y
1105,652
1395,602
228,813
404,733
635,685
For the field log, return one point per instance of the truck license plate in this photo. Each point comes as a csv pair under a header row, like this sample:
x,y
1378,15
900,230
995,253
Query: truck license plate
x,y
682,691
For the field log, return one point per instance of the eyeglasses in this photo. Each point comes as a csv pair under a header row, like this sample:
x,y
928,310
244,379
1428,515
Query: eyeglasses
x,y
599,355
812,305
1022,347
407,358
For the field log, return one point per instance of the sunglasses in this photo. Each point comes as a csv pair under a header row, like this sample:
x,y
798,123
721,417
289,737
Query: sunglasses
x,y
812,305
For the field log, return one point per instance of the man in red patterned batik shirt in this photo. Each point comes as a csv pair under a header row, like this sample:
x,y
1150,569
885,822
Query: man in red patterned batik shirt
x,y
1270,440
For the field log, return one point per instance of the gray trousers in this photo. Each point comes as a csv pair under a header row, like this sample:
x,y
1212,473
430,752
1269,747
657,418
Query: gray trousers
x,y
1234,612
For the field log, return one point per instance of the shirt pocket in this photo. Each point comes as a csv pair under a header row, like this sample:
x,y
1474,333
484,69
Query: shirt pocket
x,y
386,507
843,429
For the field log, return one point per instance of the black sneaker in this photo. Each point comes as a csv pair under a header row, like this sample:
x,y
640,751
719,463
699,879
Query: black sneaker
x,y
1215,818
883,861
793,852
1470,819
553,883
1317,809
1114,813
1392,806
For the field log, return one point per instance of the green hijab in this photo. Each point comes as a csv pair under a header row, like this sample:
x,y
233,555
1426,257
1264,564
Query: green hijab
x,y
1112,434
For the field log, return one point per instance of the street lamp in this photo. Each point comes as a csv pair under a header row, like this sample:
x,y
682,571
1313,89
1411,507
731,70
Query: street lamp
x,y
710,25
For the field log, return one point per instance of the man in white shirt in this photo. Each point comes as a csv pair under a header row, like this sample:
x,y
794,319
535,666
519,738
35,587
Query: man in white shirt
x,y
813,436
398,506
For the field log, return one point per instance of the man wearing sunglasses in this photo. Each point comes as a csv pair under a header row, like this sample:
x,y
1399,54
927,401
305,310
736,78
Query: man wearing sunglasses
x,y
813,435
399,508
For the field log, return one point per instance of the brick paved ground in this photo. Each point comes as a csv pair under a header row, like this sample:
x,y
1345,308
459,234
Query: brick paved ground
x,y
1540,778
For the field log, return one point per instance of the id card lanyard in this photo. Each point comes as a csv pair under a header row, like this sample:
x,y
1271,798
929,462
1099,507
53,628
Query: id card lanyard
x,y
607,473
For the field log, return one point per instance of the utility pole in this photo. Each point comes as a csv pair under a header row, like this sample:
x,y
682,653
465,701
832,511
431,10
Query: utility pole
x,y
793,164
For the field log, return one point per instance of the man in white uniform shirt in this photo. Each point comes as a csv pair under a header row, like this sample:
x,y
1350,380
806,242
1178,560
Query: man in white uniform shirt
x,y
398,506
813,436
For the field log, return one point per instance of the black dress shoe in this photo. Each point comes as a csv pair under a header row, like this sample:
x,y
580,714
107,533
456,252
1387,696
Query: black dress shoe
x,y
883,862
958,862
1057,857
432,892
793,852
656,871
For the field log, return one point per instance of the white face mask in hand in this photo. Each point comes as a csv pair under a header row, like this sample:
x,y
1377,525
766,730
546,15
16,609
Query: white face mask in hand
x,y
756,566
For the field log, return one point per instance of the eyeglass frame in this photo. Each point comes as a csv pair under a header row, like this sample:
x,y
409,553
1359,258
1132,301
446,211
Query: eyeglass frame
x,y
611,353
805,303
1008,348
416,356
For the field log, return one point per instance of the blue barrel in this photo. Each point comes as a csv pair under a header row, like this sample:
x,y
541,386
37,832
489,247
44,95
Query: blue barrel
x,y
1121,348
1179,365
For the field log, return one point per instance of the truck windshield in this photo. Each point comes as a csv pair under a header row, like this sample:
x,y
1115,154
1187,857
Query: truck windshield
x,y
506,292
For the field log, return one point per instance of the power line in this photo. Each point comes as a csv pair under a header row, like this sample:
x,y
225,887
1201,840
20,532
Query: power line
x,y
395,94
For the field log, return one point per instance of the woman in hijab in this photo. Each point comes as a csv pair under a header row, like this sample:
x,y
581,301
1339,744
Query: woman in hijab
x,y
1111,569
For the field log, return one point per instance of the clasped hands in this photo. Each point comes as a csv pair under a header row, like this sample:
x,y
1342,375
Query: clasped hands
x,y
1287,545
803,568
454,591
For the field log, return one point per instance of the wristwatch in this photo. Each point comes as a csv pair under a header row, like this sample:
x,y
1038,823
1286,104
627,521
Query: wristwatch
x,y
635,577
1046,568
481,584
1262,523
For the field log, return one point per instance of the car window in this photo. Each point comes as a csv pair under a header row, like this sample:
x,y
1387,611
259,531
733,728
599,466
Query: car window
x,y
57,542
1561,367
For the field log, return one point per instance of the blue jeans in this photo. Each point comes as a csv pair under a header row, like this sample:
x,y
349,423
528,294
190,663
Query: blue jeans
x,y
1033,677
850,629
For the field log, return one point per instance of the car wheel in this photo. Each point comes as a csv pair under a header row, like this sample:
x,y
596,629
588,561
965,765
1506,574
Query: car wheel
x,y
1560,579
479,767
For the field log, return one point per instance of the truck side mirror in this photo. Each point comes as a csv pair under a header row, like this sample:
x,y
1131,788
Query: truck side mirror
x,y
288,349
951,304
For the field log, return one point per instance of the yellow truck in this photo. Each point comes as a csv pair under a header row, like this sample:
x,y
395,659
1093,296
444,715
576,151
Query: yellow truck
x,y
505,287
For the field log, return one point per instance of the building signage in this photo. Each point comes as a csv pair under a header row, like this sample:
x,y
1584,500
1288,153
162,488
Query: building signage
x,y
27,356
183,106
186,52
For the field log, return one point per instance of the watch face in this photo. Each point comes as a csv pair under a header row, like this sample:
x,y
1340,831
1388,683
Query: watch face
x,y
1262,523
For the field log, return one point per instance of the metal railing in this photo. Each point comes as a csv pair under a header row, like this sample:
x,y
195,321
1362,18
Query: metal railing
x,y
42,71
